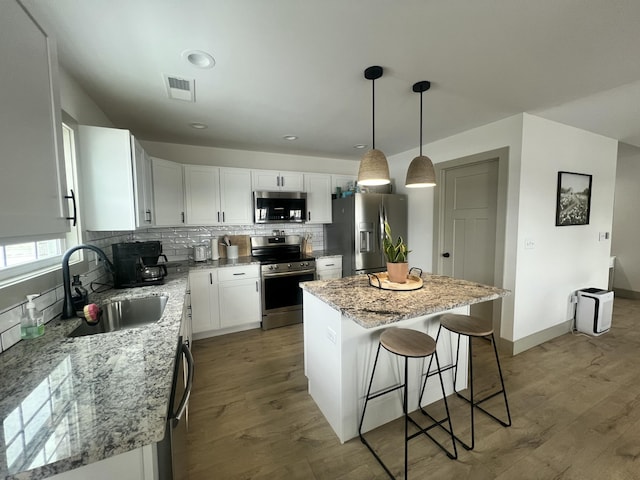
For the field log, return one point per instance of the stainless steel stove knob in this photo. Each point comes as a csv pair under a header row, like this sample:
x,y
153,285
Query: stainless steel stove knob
x,y
288,265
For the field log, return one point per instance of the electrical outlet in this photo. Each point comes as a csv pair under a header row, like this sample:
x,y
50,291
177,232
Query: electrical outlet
x,y
529,243
331,335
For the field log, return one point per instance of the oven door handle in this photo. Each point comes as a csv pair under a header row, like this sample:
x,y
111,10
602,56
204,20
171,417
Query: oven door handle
x,y
287,274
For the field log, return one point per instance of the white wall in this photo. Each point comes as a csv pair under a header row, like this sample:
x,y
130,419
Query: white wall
x,y
223,157
626,229
78,104
503,133
565,258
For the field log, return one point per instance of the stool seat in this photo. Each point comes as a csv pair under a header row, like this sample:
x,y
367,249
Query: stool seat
x,y
466,325
407,342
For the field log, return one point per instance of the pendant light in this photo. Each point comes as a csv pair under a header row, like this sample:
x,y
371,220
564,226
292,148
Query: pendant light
x,y
421,172
374,169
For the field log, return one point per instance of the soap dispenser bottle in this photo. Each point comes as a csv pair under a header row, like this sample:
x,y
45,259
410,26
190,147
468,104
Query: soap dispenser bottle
x,y
32,324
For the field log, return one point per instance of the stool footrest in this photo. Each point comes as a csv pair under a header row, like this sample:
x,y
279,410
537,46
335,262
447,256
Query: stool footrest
x,y
384,392
477,405
442,369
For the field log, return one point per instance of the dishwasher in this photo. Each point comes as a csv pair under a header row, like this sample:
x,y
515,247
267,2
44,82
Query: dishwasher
x,y
172,450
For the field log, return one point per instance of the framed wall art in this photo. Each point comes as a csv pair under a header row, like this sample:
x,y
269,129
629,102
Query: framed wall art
x,y
573,204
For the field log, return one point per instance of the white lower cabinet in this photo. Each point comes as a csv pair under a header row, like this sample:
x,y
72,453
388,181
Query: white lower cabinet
x,y
225,300
328,268
205,313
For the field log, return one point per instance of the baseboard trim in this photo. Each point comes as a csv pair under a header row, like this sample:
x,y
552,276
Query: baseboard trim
x,y
536,339
622,293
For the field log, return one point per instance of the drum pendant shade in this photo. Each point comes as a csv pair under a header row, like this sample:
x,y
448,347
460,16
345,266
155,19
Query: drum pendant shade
x,y
421,172
374,169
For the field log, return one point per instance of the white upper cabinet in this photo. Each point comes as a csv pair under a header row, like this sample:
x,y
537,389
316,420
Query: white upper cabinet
x,y
235,196
143,187
202,196
217,196
115,180
168,192
318,188
32,184
275,181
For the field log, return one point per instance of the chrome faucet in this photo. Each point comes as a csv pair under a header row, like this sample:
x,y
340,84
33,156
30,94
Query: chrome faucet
x,y
67,307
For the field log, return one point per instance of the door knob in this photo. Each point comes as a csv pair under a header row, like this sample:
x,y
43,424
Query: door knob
x,y
446,255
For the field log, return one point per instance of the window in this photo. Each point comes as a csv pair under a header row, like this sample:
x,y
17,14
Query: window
x,y
25,258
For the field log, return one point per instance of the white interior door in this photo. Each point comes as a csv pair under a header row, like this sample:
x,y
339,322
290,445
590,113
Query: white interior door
x,y
469,230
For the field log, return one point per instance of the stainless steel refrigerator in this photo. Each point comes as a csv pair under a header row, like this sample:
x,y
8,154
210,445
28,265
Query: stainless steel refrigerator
x,y
358,226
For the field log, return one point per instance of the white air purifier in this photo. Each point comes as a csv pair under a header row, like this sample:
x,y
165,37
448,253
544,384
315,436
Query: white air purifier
x,y
594,311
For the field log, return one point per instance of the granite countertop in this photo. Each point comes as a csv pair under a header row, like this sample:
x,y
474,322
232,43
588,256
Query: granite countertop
x,y
67,402
371,307
223,262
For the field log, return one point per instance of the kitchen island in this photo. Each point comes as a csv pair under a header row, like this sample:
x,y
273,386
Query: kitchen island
x,y
343,320
66,403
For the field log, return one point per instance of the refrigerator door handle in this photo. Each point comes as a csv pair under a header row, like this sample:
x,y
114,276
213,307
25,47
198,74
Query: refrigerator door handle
x,y
383,218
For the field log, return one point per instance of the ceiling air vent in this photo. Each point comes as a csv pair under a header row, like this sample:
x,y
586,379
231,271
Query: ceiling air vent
x,y
180,88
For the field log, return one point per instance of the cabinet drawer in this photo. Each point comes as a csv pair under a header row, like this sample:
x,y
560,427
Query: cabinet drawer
x,y
238,273
329,274
329,262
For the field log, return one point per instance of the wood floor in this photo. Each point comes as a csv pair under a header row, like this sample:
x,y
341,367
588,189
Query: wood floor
x,y
575,403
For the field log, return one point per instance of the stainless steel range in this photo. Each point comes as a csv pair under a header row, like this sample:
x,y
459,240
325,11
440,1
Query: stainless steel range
x,y
283,267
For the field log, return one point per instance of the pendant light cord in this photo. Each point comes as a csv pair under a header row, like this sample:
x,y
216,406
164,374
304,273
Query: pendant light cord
x,y
373,113
420,123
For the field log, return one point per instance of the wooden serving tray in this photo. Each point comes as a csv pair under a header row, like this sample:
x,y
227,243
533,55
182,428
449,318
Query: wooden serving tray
x,y
381,280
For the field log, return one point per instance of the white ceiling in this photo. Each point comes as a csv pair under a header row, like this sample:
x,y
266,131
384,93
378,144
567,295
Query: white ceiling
x,y
295,67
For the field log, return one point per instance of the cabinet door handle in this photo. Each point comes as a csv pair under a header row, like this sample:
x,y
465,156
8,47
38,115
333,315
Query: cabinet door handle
x,y
222,217
218,217
74,217
182,214
309,215
282,181
278,180
256,285
211,278
239,273
329,264
147,216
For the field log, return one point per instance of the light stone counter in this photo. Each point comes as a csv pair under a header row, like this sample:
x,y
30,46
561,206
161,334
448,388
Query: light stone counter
x,y
68,402
343,319
372,307
223,262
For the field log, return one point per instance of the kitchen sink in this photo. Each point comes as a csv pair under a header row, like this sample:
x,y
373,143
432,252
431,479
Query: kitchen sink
x,y
124,314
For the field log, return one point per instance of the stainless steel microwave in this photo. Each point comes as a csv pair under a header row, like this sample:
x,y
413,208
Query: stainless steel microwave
x,y
279,207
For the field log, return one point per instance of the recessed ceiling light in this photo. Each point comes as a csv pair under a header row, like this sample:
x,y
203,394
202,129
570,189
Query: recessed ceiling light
x,y
291,138
198,125
199,59
360,146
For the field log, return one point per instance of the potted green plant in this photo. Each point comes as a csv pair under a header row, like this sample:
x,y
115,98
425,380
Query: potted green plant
x,y
396,255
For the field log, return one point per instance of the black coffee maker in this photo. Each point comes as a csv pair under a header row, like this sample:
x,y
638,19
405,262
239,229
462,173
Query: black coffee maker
x,y
136,264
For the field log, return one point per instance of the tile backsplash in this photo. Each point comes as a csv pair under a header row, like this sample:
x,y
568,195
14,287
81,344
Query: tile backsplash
x,y
178,242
